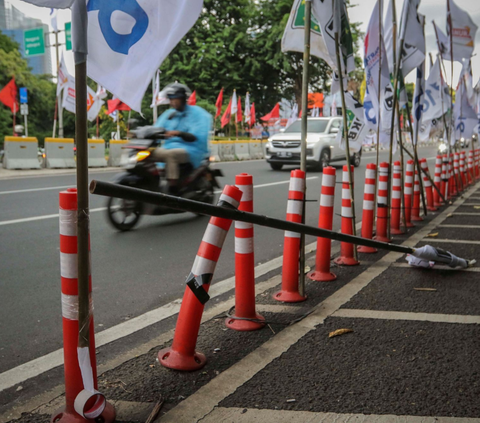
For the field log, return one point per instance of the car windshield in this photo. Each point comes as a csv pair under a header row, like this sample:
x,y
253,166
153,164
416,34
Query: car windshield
x,y
313,126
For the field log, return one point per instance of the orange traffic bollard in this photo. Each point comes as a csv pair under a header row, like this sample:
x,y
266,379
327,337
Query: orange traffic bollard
x,y
368,207
396,200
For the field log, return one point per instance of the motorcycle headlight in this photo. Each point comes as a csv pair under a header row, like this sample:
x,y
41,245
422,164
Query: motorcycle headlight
x,y
442,148
142,155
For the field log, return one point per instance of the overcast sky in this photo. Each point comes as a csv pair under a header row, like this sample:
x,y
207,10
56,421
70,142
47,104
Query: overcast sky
x,y
432,9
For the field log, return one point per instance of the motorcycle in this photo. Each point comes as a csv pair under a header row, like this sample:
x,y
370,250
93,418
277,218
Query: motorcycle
x,y
141,171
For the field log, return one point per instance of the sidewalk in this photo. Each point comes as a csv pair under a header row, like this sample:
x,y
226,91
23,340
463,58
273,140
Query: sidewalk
x,y
413,355
10,174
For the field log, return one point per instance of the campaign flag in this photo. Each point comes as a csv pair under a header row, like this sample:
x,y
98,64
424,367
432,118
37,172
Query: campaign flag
x,y
388,36
333,111
227,115
8,96
376,60
411,33
252,115
117,104
57,4
128,41
294,115
357,132
465,116
294,36
436,92
443,42
333,18
274,114
247,109
418,96
192,100
233,110
62,76
101,92
466,78
239,110
219,103
53,19
94,103
463,31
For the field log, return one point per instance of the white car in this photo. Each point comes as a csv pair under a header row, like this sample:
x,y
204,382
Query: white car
x,y
322,147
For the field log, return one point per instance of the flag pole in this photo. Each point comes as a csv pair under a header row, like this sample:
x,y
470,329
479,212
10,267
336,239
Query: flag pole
x,y
452,122
304,129
15,112
396,109
80,22
379,90
345,128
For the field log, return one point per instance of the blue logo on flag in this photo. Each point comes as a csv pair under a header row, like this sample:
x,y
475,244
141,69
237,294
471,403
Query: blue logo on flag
x,y
120,43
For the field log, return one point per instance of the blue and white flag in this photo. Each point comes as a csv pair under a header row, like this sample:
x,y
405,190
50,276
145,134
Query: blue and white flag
x,y
411,33
128,41
436,92
466,119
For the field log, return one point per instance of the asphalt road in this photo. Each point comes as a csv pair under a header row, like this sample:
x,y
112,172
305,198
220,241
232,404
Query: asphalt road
x,y
132,272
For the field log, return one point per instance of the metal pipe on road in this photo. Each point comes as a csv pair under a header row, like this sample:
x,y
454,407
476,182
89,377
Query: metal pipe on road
x,y
113,190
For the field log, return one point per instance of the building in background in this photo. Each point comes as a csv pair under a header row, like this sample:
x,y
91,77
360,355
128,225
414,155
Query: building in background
x,y
13,23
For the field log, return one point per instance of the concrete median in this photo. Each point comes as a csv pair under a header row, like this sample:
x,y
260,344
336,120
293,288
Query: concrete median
x,y
115,152
59,153
96,153
21,153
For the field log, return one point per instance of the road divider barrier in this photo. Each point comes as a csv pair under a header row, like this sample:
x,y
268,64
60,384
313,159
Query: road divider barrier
x,y
115,152
347,257
368,207
396,205
322,271
256,149
226,151
408,194
83,401
59,153
245,317
241,150
382,203
182,355
96,153
427,185
21,153
289,292
214,151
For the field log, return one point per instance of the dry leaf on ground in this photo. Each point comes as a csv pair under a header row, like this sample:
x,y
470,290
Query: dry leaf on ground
x,y
432,235
339,332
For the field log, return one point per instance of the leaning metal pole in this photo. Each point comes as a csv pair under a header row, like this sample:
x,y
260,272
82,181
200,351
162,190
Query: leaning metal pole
x,y
303,151
79,12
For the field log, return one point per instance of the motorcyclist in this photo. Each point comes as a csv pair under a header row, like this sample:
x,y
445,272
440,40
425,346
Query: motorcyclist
x,y
187,131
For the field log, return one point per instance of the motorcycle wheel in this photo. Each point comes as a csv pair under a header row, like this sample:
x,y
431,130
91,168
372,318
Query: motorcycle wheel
x,y
123,214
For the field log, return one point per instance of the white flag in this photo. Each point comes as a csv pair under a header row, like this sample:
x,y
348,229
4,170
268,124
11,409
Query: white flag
x,y
388,39
62,76
465,116
333,111
357,130
129,40
418,97
294,36
411,32
57,4
333,17
53,19
443,42
247,108
463,33
234,107
94,104
435,93
294,115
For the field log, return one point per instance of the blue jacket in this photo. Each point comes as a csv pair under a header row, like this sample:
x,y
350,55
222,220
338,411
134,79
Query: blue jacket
x,y
194,120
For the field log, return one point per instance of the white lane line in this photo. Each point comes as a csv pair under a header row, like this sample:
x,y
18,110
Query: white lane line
x,y
47,216
439,267
403,315
452,241
248,415
18,191
51,216
460,226
464,214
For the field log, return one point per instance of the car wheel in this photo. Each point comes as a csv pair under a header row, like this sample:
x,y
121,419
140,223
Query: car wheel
x,y
324,160
276,166
356,159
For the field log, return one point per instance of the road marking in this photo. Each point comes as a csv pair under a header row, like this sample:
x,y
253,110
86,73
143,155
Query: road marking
x,y
48,216
248,415
273,308
460,226
200,404
35,189
465,214
51,216
453,241
402,315
439,267
471,204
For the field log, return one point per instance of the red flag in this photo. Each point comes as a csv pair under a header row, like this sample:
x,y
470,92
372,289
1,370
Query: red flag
x,y
239,110
192,101
228,114
8,95
252,114
274,114
116,104
219,103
